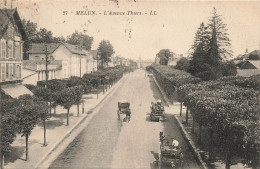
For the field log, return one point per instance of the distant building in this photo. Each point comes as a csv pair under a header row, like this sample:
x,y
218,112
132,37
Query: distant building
x,y
171,61
91,60
12,37
248,68
66,60
34,71
246,55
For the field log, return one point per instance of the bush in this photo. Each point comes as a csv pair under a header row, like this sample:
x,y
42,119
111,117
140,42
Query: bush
x,y
183,64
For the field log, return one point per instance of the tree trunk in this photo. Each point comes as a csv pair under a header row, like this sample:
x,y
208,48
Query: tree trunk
x,y
228,159
55,109
193,124
78,109
200,127
181,109
83,107
50,108
103,88
26,142
211,155
44,132
2,161
68,112
187,116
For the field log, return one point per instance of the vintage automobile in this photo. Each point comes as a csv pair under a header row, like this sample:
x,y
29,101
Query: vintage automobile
x,y
124,108
157,112
170,155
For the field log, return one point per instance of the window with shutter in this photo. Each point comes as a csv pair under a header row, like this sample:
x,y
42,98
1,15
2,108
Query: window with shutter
x,y
7,71
14,71
3,72
6,49
3,48
10,49
17,50
11,71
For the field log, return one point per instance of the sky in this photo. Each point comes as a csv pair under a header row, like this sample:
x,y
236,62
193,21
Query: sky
x,y
142,36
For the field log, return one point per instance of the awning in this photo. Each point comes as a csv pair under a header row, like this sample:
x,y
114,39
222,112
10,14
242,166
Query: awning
x,y
15,90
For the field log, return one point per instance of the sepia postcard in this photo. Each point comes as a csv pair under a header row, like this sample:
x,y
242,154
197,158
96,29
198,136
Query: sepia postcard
x,y
93,84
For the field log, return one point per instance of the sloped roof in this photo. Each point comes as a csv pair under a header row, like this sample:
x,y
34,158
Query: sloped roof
x,y
39,48
255,52
74,49
256,63
5,18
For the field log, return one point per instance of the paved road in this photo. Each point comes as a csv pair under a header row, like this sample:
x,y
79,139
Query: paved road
x,y
108,143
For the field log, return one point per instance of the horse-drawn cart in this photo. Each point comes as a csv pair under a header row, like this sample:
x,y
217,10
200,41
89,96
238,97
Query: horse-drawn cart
x,y
157,112
170,155
124,108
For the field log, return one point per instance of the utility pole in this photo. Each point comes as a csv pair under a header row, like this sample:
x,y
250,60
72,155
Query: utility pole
x,y
1,155
80,49
46,74
46,64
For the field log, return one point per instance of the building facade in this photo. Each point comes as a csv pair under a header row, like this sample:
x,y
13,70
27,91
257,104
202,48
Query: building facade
x,y
12,37
64,60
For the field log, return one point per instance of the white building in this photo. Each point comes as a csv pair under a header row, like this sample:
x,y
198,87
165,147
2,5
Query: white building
x,y
66,60
91,61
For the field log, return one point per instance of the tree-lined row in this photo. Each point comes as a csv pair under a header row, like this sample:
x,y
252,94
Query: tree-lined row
x,y
231,115
170,79
229,108
23,114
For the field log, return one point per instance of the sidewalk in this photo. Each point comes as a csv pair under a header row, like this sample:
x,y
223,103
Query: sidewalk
x,y
174,109
56,132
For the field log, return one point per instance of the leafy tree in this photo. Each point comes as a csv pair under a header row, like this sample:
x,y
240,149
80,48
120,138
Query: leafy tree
x,y
106,50
183,64
201,38
197,63
42,110
58,39
78,96
218,35
211,46
66,98
8,126
37,36
164,55
44,36
77,38
228,68
31,32
27,116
